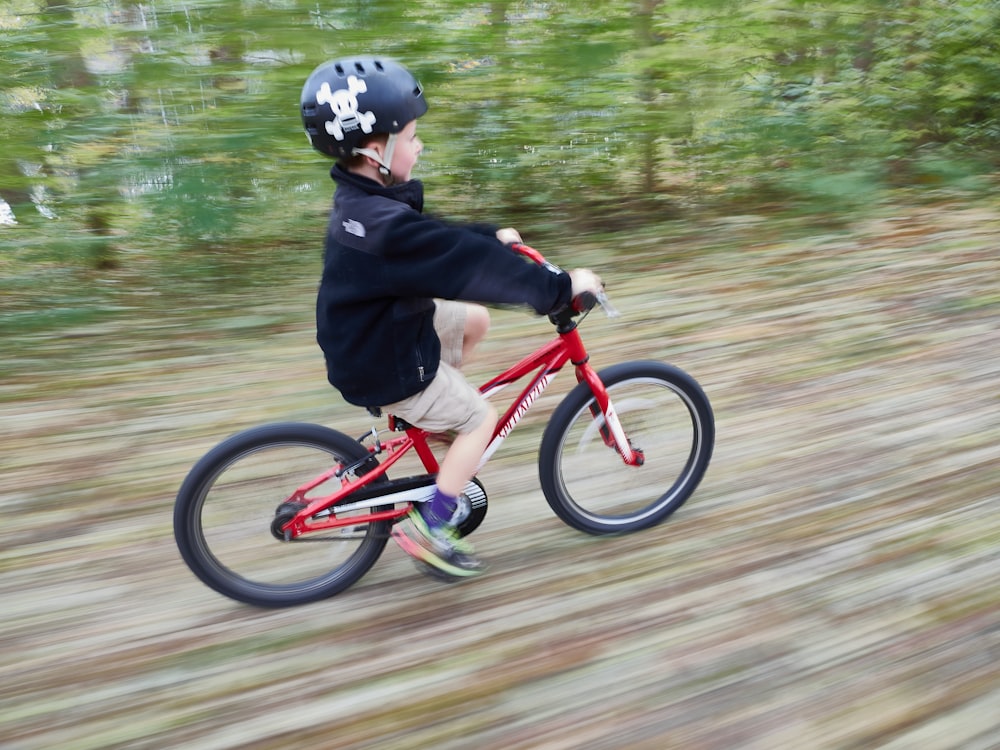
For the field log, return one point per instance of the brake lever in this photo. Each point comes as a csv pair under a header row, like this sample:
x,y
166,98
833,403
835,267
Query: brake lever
x,y
610,310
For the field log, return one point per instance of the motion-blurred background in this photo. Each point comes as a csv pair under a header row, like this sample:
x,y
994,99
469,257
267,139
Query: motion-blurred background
x,y
795,202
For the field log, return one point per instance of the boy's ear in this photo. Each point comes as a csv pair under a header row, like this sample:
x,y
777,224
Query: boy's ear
x,y
376,144
373,145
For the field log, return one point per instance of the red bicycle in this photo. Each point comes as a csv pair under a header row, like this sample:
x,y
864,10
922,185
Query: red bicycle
x,y
623,450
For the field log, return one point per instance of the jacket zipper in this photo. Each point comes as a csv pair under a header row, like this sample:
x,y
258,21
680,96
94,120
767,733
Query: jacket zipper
x,y
420,366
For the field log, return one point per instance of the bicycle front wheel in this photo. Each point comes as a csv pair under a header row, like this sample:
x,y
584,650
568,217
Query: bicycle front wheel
x,y
665,415
229,510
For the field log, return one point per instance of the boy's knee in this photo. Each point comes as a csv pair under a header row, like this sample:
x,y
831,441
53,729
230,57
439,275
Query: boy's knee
x,y
477,323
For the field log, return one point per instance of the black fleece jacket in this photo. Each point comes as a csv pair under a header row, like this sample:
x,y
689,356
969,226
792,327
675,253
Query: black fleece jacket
x,y
385,262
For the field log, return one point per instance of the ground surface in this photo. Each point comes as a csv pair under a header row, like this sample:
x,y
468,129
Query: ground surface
x,y
833,584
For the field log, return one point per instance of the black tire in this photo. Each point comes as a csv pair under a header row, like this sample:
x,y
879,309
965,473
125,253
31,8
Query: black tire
x,y
226,506
664,412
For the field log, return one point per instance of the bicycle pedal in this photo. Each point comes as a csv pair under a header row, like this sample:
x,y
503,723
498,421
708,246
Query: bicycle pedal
x,y
415,551
409,546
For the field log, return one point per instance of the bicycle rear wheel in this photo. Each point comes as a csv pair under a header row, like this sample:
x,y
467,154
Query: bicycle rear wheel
x,y
664,413
226,510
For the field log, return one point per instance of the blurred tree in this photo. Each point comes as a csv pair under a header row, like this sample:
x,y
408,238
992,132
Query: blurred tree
x,y
167,131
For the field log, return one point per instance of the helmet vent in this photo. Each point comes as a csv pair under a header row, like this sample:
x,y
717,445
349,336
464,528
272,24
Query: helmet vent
x,y
339,68
378,66
359,68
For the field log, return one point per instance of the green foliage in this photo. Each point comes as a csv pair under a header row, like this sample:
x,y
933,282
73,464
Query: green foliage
x,y
167,132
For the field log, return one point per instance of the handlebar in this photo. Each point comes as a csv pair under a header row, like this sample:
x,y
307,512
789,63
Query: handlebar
x,y
529,252
582,302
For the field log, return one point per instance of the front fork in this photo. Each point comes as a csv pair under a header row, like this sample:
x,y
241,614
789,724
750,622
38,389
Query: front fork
x,y
604,411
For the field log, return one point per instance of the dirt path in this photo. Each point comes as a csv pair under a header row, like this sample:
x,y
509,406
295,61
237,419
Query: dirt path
x,y
833,584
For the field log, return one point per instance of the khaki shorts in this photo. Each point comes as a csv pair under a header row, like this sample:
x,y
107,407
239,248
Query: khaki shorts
x,y
449,322
450,402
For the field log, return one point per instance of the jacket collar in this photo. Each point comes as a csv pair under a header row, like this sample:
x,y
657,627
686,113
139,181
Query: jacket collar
x,y
411,192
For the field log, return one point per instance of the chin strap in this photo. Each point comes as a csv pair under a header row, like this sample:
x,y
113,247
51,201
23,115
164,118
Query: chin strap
x,y
382,161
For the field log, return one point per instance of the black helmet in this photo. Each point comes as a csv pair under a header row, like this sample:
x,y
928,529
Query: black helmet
x,y
345,101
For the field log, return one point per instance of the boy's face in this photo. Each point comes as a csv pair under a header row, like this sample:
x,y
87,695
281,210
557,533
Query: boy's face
x,y
408,148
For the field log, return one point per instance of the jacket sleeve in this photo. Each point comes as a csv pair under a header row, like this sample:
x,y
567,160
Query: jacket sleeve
x,y
430,258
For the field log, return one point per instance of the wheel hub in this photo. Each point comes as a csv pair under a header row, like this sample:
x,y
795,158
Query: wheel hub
x,y
282,515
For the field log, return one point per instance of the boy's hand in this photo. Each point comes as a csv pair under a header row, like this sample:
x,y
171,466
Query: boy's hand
x,y
509,236
585,280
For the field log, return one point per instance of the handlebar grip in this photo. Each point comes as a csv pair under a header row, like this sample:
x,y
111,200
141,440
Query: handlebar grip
x,y
584,301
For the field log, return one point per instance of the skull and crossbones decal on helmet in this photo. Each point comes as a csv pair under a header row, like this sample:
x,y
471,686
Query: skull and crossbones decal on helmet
x,y
344,103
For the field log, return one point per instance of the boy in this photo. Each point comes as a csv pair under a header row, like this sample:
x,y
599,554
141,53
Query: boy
x,y
390,339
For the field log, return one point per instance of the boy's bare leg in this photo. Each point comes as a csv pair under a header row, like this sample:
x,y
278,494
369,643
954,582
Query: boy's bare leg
x,y
462,459
434,519
477,324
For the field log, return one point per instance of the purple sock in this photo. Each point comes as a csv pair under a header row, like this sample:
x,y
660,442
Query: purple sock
x,y
439,509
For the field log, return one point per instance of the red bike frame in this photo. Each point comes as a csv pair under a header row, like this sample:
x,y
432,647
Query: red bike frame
x,y
546,362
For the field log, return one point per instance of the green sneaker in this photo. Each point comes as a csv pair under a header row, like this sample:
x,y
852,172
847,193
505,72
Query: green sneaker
x,y
442,548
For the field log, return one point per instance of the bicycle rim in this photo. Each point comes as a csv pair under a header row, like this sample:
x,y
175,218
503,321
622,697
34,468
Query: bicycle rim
x,y
664,414
228,512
